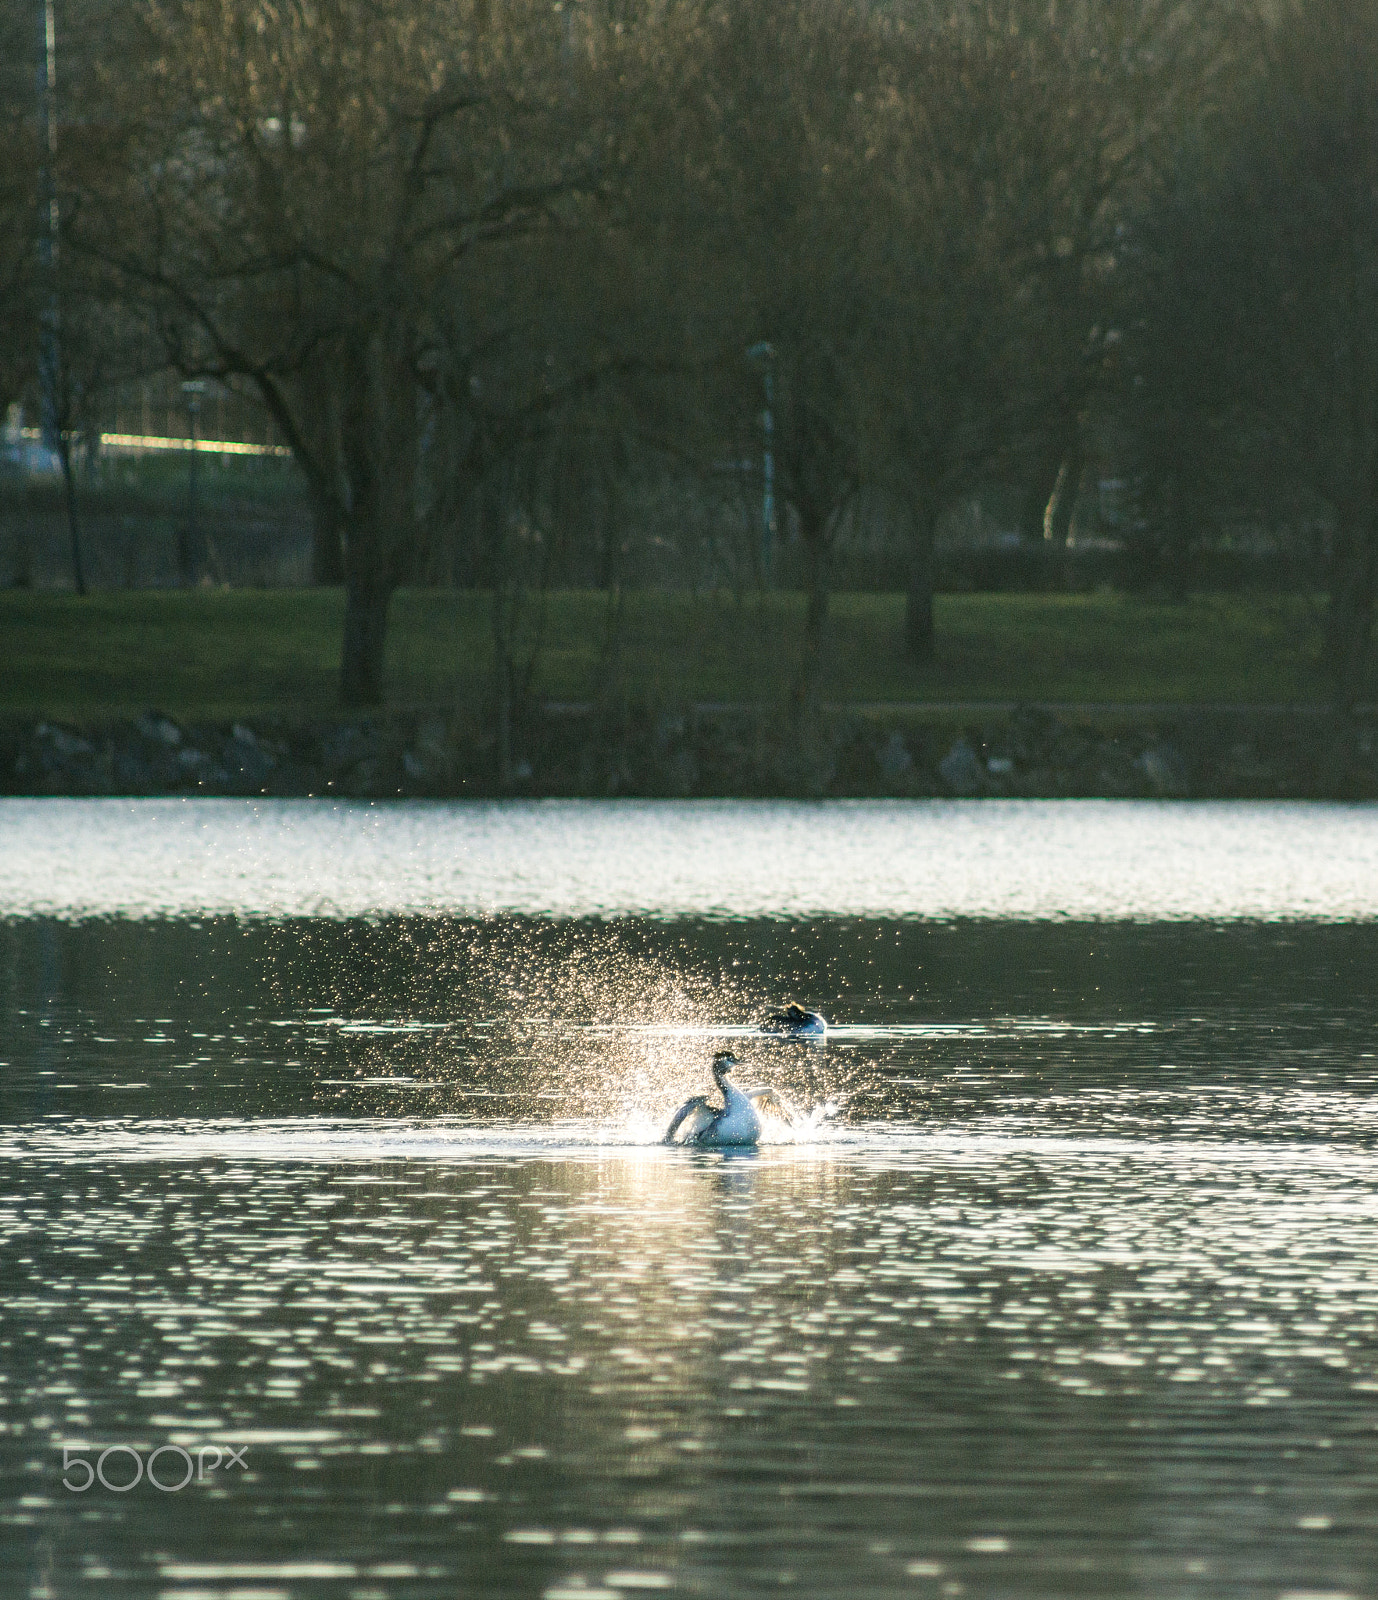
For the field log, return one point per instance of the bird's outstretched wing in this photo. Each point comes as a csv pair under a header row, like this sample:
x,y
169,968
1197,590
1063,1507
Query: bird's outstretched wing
x,y
698,1104
771,1100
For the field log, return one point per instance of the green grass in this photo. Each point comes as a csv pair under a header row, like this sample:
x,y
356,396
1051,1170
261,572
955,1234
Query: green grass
x,y
215,655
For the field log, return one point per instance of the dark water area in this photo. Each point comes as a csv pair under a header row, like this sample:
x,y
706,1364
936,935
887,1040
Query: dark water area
x,y
412,1016
1066,1284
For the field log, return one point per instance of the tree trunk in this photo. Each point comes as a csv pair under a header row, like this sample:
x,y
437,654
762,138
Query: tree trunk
x,y
365,632
1062,441
377,445
327,545
918,597
69,489
1176,553
1034,506
1349,620
813,533
368,592
1057,518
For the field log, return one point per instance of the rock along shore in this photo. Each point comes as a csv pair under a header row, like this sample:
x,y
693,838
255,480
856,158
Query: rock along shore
x,y
1218,752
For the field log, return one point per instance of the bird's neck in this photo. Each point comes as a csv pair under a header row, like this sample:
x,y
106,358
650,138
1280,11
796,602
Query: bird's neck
x,y
729,1091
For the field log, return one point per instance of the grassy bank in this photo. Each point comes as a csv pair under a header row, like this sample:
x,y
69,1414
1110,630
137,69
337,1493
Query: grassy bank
x,y
217,654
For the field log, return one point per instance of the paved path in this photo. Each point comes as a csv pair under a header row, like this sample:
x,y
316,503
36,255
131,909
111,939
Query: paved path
x,y
978,708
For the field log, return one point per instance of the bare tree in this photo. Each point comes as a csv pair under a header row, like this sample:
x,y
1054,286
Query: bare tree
x,y
18,199
815,194
1101,97
295,199
1255,360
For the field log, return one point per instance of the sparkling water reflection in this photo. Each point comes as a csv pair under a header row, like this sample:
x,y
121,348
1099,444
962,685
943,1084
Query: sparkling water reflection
x,y
729,858
1036,1365
1075,1294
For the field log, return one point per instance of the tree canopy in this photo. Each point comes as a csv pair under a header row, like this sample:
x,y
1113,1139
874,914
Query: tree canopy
x,y
488,263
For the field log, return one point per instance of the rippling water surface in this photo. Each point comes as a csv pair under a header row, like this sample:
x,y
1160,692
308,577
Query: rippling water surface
x,y
1066,1285
880,858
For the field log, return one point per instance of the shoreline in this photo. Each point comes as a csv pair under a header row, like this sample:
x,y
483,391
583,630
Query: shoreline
x,y
965,750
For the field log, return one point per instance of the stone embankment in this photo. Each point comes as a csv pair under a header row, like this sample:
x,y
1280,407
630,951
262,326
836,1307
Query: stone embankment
x,y
1112,752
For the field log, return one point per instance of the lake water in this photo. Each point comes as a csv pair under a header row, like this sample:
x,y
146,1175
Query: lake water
x,y
328,1137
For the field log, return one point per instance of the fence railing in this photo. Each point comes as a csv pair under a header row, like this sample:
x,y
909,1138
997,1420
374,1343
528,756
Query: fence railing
x,y
138,443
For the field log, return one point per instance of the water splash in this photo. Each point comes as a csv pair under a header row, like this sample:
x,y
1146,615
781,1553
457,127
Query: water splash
x,y
547,1021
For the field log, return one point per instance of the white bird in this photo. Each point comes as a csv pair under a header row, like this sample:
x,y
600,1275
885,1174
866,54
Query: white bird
x,y
794,1022
737,1122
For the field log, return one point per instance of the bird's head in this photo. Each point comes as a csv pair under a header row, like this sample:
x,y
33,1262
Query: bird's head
x,y
723,1062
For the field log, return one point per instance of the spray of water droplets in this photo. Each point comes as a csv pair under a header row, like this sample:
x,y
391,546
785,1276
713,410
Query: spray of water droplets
x,y
511,1019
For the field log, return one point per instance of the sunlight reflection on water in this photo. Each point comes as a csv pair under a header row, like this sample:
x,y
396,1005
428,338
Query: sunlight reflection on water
x,y
730,858
900,1357
1077,1294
